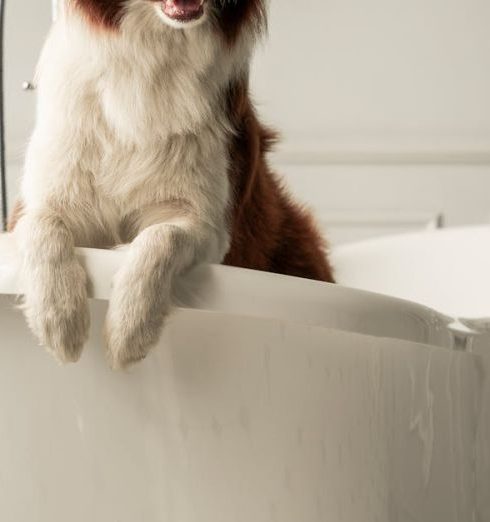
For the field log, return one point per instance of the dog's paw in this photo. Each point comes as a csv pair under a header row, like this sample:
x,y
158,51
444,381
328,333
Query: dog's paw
x,y
56,309
135,318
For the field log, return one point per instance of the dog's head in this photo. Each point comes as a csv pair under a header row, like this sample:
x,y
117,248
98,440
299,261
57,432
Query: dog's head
x,y
229,17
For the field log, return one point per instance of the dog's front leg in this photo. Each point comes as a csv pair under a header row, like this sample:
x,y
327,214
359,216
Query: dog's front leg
x,y
141,297
55,284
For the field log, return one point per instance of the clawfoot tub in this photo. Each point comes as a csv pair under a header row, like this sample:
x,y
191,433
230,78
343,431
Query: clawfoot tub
x,y
267,399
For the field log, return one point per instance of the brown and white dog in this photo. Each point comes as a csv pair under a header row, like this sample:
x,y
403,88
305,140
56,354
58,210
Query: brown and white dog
x,y
146,136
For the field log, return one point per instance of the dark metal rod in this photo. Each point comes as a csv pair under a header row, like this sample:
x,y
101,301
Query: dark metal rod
x,y
3,168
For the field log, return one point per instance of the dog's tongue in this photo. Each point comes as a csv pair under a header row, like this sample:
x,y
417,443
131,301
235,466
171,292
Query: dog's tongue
x,y
182,8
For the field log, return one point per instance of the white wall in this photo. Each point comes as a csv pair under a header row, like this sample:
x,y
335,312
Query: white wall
x,y
27,23
386,74
384,108
383,105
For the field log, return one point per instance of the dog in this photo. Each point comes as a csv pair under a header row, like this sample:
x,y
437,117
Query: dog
x,y
146,136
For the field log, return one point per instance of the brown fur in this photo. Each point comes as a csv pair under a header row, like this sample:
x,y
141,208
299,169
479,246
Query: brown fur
x,y
232,14
269,231
15,215
101,13
235,14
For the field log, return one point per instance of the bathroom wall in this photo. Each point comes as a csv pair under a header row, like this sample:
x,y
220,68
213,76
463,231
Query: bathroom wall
x,y
383,106
384,76
27,23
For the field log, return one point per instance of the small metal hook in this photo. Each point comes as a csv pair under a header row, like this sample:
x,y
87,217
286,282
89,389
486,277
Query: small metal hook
x,y
28,86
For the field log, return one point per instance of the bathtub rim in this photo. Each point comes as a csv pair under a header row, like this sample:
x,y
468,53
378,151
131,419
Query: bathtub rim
x,y
237,291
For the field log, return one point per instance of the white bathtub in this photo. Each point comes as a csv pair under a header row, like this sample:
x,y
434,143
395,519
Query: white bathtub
x,y
268,399
448,270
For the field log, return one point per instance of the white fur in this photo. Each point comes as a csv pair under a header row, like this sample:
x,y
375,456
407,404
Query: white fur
x,y
130,146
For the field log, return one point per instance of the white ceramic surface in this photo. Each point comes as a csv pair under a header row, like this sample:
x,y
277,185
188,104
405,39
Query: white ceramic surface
x,y
448,270
268,399
245,292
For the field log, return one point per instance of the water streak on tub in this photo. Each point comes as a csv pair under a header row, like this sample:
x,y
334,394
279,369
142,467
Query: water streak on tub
x,y
422,418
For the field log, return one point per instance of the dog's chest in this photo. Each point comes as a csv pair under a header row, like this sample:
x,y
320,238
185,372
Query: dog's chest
x,y
138,109
155,124
150,90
